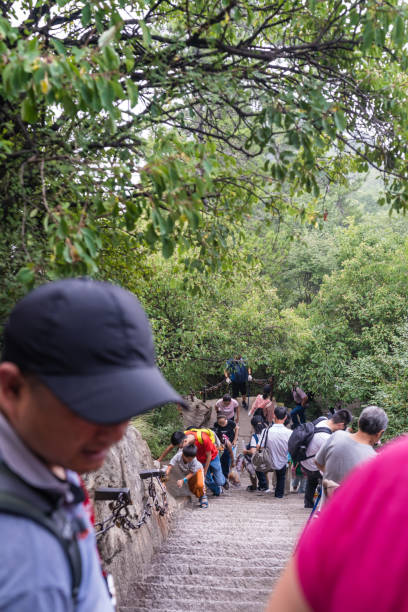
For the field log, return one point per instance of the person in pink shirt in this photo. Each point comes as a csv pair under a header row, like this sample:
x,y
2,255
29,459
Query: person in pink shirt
x,y
264,406
355,556
229,407
300,398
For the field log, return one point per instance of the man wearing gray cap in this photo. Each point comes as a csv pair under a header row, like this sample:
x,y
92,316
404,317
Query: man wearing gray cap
x,y
78,363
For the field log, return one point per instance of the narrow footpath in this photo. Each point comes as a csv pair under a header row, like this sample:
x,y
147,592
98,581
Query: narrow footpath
x,y
225,557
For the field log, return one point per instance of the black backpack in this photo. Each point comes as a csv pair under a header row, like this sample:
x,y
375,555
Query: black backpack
x,y
18,498
301,438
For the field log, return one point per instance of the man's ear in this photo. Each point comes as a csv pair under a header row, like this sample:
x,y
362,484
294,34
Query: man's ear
x,y
377,437
11,384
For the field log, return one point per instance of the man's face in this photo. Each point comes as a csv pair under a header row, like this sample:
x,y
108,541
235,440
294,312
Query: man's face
x,y
54,433
189,439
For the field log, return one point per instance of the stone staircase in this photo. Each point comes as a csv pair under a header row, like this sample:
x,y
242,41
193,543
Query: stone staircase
x,y
226,557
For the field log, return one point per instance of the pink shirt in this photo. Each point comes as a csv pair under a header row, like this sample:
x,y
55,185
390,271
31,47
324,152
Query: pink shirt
x,y
260,402
227,409
298,395
354,557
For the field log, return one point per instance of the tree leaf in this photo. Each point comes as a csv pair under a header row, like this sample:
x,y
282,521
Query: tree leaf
x,y
107,37
167,248
86,15
133,92
29,110
398,31
147,39
340,120
58,46
25,276
368,35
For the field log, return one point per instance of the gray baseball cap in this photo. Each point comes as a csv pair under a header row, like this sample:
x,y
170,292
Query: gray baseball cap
x,y
91,344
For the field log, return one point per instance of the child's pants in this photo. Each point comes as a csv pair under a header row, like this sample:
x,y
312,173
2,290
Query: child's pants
x,y
299,481
196,484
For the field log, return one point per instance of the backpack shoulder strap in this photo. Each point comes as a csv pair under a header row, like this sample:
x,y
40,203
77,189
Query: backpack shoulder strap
x,y
323,429
318,430
15,505
194,430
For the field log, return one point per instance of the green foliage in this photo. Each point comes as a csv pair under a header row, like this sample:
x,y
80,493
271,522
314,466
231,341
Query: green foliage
x,y
322,303
171,121
157,426
356,321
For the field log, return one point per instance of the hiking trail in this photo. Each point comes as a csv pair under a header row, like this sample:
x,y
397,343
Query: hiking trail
x,y
225,557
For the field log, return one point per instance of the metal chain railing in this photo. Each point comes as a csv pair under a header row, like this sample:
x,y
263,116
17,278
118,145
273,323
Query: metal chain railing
x,y
120,515
206,390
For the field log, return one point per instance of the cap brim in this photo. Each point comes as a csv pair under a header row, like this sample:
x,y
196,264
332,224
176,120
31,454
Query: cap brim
x,y
114,396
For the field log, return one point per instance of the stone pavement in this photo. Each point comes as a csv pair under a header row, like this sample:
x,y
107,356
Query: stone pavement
x,y
225,557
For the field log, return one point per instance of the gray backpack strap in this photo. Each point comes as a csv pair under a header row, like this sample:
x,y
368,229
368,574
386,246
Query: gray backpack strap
x,y
11,503
264,438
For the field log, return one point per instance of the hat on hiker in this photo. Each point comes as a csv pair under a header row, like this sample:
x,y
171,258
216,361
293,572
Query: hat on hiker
x,y
91,344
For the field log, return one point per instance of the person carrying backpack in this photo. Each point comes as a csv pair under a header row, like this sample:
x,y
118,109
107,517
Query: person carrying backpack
x,y
238,374
207,455
78,363
305,442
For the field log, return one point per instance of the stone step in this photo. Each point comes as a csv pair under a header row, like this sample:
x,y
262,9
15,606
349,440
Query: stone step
x,y
211,556
258,581
207,569
201,598
207,593
196,605
261,548
260,516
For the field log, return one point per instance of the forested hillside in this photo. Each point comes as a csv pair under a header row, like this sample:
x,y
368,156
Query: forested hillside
x,y
325,303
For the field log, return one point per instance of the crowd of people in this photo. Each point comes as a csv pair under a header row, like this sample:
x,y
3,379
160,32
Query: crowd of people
x,y
362,525
320,454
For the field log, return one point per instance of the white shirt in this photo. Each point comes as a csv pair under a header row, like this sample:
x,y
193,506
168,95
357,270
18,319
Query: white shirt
x,y
278,436
315,445
256,440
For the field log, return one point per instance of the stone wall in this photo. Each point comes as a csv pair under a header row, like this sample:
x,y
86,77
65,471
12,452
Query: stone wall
x,y
127,555
196,413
